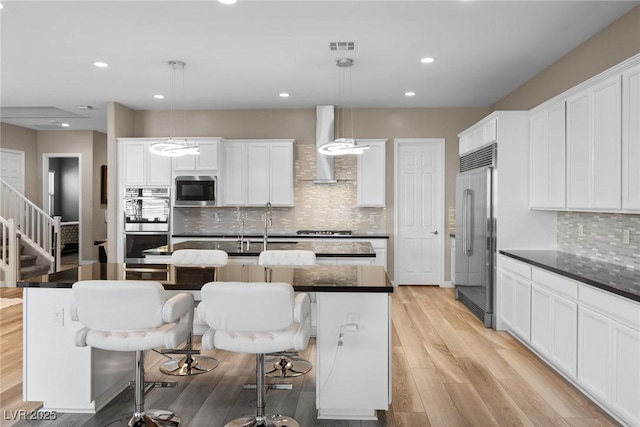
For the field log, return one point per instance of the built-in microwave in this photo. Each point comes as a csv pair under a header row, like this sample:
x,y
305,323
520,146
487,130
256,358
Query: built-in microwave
x,y
195,190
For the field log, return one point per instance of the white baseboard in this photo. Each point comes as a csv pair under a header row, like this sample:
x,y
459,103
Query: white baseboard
x,y
448,284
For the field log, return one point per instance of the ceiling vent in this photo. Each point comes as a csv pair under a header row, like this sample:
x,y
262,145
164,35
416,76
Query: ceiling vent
x,y
338,46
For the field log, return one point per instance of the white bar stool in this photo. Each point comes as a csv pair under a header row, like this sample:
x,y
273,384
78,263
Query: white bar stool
x,y
287,364
256,318
192,363
131,315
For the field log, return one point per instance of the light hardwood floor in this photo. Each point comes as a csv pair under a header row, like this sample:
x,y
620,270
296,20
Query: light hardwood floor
x,y
448,370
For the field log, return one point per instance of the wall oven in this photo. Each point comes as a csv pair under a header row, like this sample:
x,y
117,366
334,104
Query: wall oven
x,y
196,191
146,221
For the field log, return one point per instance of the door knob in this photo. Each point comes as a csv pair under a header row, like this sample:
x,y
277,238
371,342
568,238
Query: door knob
x,y
435,232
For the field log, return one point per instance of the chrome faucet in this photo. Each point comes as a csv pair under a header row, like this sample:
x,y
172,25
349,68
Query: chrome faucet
x,y
241,229
268,222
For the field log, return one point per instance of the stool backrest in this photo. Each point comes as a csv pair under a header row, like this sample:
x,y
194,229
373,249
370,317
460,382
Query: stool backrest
x,y
199,257
119,305
287,258
247,307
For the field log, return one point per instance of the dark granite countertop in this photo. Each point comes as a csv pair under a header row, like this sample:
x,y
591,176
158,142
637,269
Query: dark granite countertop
x,y
335,249
315,279
292,235
609,277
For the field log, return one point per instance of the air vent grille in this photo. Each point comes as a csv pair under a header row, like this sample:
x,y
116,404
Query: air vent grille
x,y
482,157
336,46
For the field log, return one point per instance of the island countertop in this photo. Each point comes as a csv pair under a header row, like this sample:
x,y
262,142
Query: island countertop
x,y
338,249
350,278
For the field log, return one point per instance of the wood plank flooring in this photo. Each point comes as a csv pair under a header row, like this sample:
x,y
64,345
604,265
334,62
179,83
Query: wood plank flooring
x,y
448,370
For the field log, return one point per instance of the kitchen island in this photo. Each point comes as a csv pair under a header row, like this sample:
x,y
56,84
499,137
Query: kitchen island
x,y
352,379
327,253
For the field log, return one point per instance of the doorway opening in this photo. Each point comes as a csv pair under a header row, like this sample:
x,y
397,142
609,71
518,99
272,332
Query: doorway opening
x,y
62,196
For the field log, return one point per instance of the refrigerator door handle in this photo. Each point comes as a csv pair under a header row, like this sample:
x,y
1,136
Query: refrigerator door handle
x,y
467,235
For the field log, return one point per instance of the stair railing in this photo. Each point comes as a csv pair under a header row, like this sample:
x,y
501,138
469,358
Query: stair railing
x,y
36,228
9,255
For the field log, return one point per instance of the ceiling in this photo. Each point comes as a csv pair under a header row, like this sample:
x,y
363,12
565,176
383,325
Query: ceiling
x,y
242,56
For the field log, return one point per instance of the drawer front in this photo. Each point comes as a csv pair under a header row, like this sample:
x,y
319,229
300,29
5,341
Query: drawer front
x,y
624,311
555,283
516,267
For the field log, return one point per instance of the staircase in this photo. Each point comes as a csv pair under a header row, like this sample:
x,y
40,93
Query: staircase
x,y
29,266
27,235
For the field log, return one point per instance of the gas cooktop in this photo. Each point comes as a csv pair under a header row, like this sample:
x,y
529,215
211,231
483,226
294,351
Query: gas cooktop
x,y
325,232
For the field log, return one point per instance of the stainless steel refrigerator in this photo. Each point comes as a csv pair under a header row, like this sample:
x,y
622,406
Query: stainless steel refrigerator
x,y
475,256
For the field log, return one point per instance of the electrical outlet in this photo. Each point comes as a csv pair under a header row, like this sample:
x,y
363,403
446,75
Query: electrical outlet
x,y
58,316
372,218
580,230
625,236
353,318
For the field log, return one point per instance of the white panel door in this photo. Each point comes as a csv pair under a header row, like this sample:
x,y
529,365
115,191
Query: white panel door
x,y
419,182
12,168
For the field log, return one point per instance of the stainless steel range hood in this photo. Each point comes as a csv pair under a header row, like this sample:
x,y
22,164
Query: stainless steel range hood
x,y
324,134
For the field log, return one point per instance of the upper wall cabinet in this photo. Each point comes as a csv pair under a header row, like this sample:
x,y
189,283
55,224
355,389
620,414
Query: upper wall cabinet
x,y
258,171
594,148
205,162
140,167
371,174
631,139
597,125
548,157
485,132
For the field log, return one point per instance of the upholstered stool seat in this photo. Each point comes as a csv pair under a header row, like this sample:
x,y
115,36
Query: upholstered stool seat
x,y
286,364
191,362
130,315
255,318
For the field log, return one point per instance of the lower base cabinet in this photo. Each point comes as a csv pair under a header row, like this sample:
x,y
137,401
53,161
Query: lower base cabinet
x,y
590,336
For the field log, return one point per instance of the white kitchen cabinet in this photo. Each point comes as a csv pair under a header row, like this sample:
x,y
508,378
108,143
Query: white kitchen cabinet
x,y
589,335
257,172
482,133
554,319
140,167
593,147
205,162
609,350
371,174
631,139
515,297
548,163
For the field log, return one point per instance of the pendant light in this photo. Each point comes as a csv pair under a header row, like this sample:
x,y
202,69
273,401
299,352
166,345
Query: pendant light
x,y
344,145
175,147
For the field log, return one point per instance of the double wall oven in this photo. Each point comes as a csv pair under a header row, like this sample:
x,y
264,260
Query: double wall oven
x,y
146,221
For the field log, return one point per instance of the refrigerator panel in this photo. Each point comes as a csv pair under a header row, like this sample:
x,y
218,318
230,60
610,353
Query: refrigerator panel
x,y
461,260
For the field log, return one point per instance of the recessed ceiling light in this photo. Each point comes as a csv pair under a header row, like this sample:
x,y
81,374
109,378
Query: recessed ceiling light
x,y
64,125
427,60
409,94
158,96
227,1
84,107
284,95
1,6
100,64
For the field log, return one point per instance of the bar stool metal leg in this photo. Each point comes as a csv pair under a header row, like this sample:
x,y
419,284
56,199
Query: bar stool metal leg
x,y
261,419
189,364
142,418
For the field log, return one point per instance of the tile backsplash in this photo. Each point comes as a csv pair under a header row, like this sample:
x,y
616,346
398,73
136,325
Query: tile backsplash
x,y
603,236
317,206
